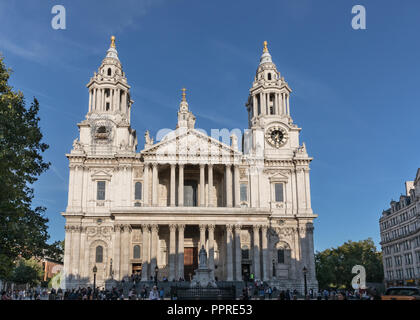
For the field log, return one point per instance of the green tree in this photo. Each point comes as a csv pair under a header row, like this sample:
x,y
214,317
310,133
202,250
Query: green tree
x,y
333,266
27,272
23,229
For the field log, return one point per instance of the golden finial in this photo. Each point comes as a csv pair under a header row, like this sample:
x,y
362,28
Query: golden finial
x,y
265,47
184,94
112,42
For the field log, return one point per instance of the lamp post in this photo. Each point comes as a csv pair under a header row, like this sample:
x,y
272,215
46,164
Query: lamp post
x,y
95,269
305,271
156,274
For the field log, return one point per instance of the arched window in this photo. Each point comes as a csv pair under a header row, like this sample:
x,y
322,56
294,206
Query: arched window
x,y
99,254
109,71
269,76
137,191
136,252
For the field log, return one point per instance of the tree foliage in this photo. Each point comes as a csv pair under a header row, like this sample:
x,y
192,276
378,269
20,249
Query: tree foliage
x,y
333,266
27,272
23,229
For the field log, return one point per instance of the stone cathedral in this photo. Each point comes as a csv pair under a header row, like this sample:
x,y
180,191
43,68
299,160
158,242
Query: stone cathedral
x,y
148,212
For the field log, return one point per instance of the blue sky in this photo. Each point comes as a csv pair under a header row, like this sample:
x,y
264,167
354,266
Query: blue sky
x,y
355,93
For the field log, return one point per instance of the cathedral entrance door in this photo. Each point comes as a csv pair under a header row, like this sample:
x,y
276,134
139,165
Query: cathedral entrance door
x,y
136,268
190,262
190,193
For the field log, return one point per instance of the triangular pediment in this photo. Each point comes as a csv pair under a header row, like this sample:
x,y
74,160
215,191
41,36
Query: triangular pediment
x,y
275,175
190,142
101,175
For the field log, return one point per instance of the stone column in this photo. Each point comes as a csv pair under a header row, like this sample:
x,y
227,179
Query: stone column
x,y
126,245
76,252
256,252
202,186
172,191
117,252
146,182
67,254
229,253
228,185
83,249
155,249
238,253
172,247
202,236
94,100
145,252
237,187
90,100
181,187
266,263
211,249
210,188
155,185
181,228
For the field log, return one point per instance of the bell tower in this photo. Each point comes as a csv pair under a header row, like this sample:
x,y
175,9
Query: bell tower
x,y
107,126
269,95
272,131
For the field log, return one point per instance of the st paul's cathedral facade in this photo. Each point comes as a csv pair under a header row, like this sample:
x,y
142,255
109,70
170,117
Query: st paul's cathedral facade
x,y
149,212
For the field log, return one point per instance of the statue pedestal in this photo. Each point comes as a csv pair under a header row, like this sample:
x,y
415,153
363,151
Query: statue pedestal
x,y
203,279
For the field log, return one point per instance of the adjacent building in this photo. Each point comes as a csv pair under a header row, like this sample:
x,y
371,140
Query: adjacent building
x,y
150,211
400,237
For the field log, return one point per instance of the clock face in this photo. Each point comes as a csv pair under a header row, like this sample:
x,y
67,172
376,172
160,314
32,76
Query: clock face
x,y
276,136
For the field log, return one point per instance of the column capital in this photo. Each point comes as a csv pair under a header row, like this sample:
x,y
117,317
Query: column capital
x,y
154,164
210,165
211,227
229,227
264,228
181,165
127,228
181,227
238,227
203,227
145,227
155,227
172,227
173,165
256,227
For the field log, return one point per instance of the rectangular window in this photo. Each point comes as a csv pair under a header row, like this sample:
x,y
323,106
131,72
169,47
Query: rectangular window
x,y
278,188
137,191
280,256
244,192
100,195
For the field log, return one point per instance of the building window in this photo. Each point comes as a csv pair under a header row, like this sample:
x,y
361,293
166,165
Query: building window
x,y
109,71
244,192
136,252
137,191
100,195
278,189
280,256
269,76
99,254
245,253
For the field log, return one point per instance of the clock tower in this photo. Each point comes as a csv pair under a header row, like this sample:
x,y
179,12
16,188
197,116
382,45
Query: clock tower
x,y
271,126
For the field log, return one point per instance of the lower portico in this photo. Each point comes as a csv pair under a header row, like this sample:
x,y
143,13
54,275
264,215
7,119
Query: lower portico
x,y
169,244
